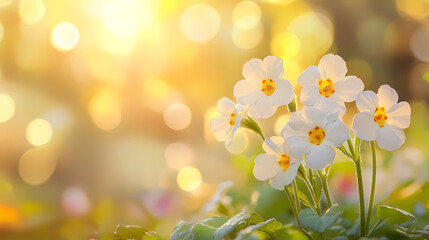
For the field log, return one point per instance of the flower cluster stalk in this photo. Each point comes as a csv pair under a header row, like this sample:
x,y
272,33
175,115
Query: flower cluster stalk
x,y
374,172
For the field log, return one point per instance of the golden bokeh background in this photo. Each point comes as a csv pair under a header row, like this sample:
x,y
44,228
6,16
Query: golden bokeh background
x,y
105,105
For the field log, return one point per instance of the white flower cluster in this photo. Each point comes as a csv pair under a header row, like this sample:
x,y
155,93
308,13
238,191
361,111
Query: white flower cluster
x,y
311,134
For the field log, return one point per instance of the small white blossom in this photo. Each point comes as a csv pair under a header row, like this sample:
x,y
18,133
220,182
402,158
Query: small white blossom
x,y
327,87
226,124
314,133
278,163
382,118
264,88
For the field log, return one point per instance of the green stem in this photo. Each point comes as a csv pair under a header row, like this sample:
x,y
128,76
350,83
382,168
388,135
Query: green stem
x,y
374,172
352,151
324,180
313,196
295,192
344,150
295,212
361,197
376,225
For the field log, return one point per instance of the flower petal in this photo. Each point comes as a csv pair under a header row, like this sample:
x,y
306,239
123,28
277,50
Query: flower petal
x,y
367,101
310,77
320,157
283,94
314,117
284,178
296,126
399,115
221,128
274,67
332,67
365,127
348,89
253,70
299,146
310,95
390,138
333,104
336,133
247,92
225,106
266,166
263,108
274,146
387,96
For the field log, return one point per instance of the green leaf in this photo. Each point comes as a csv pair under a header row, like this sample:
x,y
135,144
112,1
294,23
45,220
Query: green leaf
x,y
384,212
128,232
269,227
198,230
303,197
317,187
311,220
412,233
238,222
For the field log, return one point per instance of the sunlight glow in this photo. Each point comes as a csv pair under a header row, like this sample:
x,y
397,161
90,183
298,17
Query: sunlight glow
x,y
37,165
7,108
105,111
246,14
38,132
200,23
64,37
177,116
189,179
31,11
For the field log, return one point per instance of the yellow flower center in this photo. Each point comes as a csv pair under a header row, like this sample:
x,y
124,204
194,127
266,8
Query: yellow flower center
x,y
326,87
380,116
232,120
316,135
268,87
284,162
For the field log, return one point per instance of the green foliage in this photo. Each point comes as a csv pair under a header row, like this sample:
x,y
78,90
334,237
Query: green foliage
x,y
132,232
197,230
311,220
398,215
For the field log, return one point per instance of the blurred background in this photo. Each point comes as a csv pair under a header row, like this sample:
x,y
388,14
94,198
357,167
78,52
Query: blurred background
x,y
105,106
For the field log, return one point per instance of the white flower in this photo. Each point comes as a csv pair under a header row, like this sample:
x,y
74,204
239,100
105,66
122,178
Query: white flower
x,y
327,87
278,163
315,132
382,118
226,124
264,88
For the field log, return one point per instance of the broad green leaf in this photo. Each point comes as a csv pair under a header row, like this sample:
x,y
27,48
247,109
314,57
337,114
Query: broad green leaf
x,y
412,233
198,230
311,220
317,188
340,238
355,229
238,222
384,212
128,232
268,227
301,196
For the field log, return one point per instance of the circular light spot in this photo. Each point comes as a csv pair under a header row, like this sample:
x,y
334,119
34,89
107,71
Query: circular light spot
x,y
37,165
177,116
179,155
31,11
7,108
189,179
157,94
105,110
247,38
239,142
417,9
246,14
64,36
308,27
38,132
75,201
5,3
286,45
200,23
419,44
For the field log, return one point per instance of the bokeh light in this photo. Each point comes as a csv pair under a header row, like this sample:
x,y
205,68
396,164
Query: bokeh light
x,y
248,38
37,165
246,14
286,45
31,11
1,31
360,68
419,44
179,155
75,202
200,23
418,9
239,142
7,107
64,36
189,178
177,116
38,132
104,110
